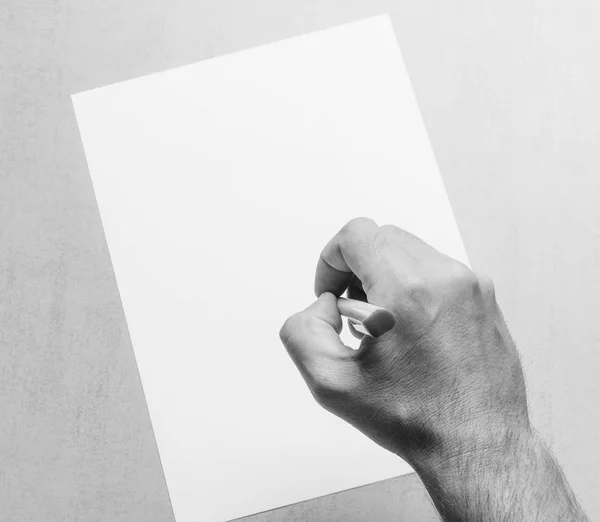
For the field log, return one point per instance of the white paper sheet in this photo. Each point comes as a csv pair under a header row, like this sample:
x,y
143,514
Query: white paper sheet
x,y
218,185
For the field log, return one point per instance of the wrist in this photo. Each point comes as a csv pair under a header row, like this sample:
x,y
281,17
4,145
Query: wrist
x,y
510,476
470,455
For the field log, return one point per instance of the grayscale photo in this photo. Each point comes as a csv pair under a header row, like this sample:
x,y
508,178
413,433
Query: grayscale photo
x,y
271,261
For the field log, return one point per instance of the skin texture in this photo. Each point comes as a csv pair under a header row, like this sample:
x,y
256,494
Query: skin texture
x,y
444,389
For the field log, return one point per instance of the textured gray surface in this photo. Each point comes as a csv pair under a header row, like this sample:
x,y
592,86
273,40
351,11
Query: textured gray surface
x,y
508,90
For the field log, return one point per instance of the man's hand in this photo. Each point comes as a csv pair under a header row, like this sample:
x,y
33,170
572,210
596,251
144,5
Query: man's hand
x,y
444,389
446,379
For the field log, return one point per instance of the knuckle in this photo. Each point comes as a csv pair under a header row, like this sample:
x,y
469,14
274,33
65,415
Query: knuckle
x,y
476,284
461,273
485,281
385,237
395,231
415,287
418,300
381,241
387,234
485,285
390,229
356,224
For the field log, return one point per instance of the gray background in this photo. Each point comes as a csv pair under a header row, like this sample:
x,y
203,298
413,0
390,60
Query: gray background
x,y
509,93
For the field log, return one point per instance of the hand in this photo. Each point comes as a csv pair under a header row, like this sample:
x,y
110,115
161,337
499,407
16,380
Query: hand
x,y
444,382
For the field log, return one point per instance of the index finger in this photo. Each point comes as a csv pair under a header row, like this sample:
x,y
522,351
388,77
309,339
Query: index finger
x,y
349,251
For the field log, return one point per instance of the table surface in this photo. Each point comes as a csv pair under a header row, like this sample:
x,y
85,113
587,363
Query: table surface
x,y
508,91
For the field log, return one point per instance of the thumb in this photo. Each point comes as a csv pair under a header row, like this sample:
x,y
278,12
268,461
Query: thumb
x,y
325,309
314,332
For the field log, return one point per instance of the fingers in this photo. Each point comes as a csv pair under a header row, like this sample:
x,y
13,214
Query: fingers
x,y
412,245
371,253
349,251
355,290
312,340
326,364
315,330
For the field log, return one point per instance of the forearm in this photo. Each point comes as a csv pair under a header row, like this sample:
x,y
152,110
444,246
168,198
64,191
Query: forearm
x,y
520,482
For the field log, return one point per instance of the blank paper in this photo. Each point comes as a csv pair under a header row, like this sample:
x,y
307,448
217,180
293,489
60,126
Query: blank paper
x,y
218,185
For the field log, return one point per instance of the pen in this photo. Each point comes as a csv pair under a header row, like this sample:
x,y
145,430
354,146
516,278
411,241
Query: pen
x,y
366,318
